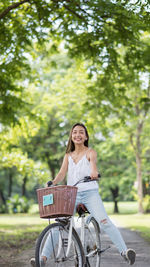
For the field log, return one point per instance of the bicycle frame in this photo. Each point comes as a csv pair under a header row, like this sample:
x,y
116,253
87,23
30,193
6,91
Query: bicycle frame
x,y
82,238
84,224
70,224
67,222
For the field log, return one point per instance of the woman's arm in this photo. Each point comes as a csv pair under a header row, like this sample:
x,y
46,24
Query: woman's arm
x,y
63,170
93,161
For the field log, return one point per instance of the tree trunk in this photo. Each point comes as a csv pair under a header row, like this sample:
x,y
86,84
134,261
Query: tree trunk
x,y
2,198
139,182
10,183
24,186
138,154
139,167
52,171
115,194
50,165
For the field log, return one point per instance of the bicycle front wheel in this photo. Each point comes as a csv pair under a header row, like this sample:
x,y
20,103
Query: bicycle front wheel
x,y
53,243
92,244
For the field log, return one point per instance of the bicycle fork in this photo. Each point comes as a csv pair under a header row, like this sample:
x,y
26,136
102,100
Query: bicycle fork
x,y
82,230
70,236
67,242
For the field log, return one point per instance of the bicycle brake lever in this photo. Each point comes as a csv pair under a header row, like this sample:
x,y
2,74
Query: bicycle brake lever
x,y
87,179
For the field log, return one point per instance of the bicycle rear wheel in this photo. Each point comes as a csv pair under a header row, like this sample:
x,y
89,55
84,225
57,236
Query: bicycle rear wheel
x,y
53,242
92,244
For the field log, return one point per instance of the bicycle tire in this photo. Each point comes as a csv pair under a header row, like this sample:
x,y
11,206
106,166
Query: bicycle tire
x,y
57,234
92,244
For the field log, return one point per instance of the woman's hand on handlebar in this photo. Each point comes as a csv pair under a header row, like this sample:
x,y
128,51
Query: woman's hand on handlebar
x,y
88,178
95,175
49,183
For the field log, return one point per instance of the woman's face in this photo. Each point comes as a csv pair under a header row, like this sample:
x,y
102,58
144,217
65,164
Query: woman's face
x,y
78,135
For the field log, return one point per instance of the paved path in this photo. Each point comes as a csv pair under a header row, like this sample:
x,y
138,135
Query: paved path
x,y
110,258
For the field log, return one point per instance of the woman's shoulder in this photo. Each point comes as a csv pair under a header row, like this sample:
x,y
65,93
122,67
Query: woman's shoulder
x,y
66,158
67,155
91,152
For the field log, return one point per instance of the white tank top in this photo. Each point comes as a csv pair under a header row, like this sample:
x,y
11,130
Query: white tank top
x,y
79,170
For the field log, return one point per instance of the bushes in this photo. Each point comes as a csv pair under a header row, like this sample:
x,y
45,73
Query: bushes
x,y
17,204
3,208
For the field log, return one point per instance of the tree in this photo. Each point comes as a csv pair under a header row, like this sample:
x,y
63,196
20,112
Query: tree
x,y
57,109
91,29
17,170
130,102
116,168
32,151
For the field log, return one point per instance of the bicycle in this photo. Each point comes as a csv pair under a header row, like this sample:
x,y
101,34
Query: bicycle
x,y
63,244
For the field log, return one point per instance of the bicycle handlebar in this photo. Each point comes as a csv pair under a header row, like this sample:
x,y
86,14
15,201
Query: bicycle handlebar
x,y
84,180
87,179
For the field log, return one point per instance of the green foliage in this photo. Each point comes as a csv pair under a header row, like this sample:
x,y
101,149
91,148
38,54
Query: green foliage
x,y
17,204
46,91
3,208
91,29
32,151
116,168
146,203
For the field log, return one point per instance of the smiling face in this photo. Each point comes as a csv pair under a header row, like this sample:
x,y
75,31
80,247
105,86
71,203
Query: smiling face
x,y
79,135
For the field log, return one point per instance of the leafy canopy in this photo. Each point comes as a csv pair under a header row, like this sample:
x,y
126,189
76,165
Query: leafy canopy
x,y
92,29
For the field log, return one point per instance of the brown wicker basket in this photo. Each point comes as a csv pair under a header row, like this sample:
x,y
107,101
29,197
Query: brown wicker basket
x,y
57,201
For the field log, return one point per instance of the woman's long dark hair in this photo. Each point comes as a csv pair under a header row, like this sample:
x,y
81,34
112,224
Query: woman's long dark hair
x,y
70,145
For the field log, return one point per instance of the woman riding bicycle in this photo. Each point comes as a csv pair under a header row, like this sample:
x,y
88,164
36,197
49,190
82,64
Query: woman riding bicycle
x,y
80,161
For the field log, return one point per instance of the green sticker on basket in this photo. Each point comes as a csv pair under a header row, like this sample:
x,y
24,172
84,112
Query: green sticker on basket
x,y
48,200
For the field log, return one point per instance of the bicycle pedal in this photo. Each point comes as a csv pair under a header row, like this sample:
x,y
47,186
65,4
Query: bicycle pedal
x,y
103,250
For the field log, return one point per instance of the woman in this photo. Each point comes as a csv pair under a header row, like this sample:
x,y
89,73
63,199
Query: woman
x,y
80,161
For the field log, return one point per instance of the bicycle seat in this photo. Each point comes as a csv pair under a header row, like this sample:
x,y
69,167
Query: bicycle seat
x,y
81,209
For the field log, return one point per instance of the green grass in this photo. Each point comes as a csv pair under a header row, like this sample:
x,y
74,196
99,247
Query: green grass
x,y
20,230
135,222
128,207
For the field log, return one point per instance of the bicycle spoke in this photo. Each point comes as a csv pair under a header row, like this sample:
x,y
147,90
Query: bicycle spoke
x,y
53,244
92,243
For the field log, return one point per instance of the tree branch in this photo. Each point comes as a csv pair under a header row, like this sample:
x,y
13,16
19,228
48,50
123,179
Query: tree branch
x,y
70,10
89,15
13,6
73,12
132,142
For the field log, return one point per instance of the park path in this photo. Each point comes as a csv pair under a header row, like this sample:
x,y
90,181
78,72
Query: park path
x,y
110,258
